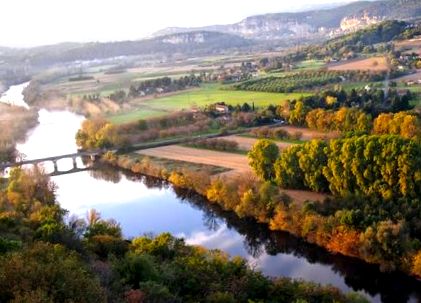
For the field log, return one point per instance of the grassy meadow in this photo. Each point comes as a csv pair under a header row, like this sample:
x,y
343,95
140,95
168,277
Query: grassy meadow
x,y
207,94
310,65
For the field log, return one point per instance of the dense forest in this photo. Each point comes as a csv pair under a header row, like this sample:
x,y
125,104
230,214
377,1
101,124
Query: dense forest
x,y
360,41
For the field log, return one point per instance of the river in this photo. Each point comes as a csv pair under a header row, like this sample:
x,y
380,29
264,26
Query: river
x,y
147,205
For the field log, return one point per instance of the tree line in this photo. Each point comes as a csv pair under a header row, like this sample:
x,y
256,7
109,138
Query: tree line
x,y
100,133
372,102
163,85
386,166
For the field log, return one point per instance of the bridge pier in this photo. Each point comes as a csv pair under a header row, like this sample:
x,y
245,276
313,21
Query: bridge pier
x,y
74,163
55,166
93,157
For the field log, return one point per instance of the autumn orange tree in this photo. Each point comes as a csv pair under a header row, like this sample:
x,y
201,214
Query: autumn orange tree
x,y
405,124
344,120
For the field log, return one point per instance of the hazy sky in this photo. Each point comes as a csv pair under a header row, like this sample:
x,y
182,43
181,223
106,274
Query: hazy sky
x,y
37,22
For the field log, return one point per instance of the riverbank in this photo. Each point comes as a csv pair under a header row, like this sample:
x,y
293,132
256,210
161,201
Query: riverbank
x,y
15,123
248,197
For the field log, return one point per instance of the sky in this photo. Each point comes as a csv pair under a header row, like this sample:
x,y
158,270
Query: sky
x,y
25,23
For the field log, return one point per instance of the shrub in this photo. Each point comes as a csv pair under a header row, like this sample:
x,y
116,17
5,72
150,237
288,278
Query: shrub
x,y
216,144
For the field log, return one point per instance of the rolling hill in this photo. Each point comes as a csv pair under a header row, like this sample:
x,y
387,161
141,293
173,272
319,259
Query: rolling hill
x,y
193,43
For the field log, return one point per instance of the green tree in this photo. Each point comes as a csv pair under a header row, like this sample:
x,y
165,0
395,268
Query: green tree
x,y
49,272
298,114
288,173
262,158
312,159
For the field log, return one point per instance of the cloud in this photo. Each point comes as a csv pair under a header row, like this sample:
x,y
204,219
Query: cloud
x,y
223,238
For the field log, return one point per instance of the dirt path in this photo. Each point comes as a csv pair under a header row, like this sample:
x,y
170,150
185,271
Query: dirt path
x,y
237,163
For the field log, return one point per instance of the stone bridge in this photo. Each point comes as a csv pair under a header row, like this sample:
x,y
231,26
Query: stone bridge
x,y
92,154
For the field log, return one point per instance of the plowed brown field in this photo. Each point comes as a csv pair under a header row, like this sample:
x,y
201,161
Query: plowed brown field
x,y
376,64
237,163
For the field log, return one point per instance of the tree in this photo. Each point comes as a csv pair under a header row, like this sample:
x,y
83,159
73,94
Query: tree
x,y
312,159
93,216
331,101
381,124
48,272
287,169
262,158
405,124
416,264
298,114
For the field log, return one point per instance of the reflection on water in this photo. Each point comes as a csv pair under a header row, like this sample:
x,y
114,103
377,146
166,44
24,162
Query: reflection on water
x,y
53,136
14,96
278,253
151,205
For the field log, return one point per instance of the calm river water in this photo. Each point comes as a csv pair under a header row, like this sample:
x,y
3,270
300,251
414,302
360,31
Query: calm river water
x,y
147,205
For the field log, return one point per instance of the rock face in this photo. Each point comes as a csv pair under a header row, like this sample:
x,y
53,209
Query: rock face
x,y
266,29
350,24
315,24
185,38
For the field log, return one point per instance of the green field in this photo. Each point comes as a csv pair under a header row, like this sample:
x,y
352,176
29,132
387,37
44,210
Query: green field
x,y
310,64
206,95
213,93
135,115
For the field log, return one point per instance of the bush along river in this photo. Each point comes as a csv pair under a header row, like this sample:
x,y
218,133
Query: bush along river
x,y
147,205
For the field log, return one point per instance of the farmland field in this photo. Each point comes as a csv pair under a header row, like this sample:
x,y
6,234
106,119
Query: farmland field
x,y
210,94
413,45
311,64
373,64
208,157
207,94
141,113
